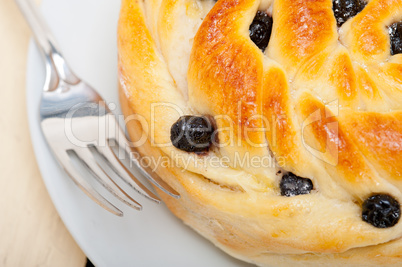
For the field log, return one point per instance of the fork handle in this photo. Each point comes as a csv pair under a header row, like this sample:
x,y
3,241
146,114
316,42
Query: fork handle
x,y
56,65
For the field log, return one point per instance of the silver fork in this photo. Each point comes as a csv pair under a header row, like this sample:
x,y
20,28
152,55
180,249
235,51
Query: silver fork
x,y
75,120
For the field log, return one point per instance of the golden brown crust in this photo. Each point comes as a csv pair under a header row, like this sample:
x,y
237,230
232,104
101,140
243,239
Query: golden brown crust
x,y
323,106
379,137
368,38
299,43
227,79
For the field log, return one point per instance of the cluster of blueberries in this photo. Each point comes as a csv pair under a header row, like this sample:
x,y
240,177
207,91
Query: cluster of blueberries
x,y
195,134
261,27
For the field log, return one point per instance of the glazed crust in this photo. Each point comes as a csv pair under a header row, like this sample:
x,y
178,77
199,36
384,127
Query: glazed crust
x,y
328,103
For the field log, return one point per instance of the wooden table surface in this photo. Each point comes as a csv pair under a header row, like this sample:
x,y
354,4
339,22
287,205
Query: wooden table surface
x,y
31,231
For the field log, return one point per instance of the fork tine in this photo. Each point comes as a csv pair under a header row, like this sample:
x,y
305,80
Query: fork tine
x,y
118,167
145,171
66,163
86,156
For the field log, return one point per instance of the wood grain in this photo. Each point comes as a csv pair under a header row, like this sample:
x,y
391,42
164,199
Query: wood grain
x,y
31,232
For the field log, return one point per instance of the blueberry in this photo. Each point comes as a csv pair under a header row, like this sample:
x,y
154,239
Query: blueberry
x,y
381,211
260,29
395,33
192,133
346,9
292,185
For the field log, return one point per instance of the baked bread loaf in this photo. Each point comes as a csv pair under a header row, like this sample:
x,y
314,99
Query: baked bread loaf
x,y
279,122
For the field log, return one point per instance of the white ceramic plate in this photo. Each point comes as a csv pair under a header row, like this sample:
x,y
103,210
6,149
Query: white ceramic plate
x,y
86,32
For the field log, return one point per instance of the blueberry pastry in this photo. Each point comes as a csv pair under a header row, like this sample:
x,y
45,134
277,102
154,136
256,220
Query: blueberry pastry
x,y
279,122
